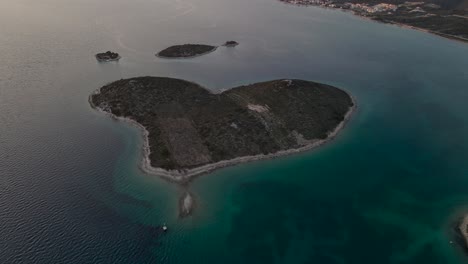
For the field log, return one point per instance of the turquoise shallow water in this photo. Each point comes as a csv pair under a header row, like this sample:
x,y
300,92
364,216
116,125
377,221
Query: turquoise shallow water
x,y
387,190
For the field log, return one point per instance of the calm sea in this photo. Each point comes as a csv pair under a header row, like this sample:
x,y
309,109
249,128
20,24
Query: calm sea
x,y
388,190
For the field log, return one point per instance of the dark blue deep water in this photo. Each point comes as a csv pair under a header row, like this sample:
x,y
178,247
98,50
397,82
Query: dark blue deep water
x,y
388,190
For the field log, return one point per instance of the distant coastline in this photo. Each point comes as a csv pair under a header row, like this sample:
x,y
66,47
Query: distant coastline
x,y
451,23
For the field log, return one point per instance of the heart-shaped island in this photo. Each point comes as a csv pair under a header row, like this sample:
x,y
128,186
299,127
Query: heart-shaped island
x,y
189,130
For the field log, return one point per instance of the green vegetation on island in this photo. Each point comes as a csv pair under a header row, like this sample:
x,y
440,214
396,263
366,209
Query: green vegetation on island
x,y
107,56
186,51
189,127
231,43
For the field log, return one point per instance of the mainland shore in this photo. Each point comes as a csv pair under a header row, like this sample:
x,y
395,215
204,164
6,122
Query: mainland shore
x,y
444,21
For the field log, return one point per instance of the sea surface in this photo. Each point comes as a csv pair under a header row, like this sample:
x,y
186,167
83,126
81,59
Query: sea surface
x,y
388,190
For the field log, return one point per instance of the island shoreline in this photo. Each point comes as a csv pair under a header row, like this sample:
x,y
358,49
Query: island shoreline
x,y
462,230
185,176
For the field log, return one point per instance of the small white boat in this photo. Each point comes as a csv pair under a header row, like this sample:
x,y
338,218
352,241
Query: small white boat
x,y
164,227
